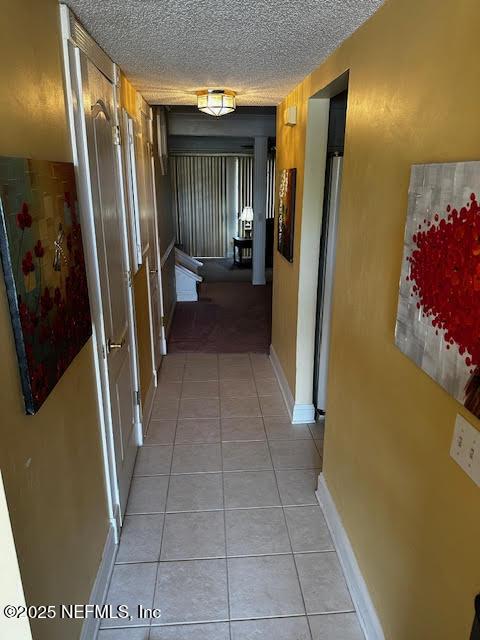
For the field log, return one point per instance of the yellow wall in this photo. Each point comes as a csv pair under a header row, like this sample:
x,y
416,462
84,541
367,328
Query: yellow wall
x,y
51,463
412,515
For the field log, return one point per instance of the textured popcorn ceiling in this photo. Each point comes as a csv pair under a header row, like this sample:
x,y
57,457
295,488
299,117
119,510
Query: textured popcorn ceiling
x,y
259,48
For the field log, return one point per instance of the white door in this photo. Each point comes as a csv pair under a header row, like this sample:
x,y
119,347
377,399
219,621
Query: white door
x,y
112,250
153,266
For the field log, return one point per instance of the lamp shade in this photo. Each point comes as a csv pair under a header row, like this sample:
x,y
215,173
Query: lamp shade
x,y
247,214
216,102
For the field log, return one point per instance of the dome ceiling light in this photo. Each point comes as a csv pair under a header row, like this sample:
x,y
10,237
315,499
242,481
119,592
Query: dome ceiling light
x,y
216,102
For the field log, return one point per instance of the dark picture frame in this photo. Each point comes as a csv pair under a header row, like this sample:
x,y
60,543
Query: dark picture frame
x,y
286,213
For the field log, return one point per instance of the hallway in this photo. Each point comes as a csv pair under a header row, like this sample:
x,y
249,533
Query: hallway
x,y
233,317
223,531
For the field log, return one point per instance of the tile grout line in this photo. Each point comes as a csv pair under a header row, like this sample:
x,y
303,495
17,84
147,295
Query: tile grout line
x,y
225,537
291,545
165,510
241,555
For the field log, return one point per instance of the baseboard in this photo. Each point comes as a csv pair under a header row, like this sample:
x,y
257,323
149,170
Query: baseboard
x,y
299,413
282,381
358,589
303,413
100,586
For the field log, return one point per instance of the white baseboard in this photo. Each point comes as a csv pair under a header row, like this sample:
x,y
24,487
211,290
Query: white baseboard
x,y
100,586
282,381
303,413
358,589
299,413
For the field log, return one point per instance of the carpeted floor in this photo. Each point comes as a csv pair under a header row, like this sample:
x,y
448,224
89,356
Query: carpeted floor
x,y
230,317
223,270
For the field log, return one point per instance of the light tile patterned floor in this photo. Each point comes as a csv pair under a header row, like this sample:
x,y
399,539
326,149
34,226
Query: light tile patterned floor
x,y
223,532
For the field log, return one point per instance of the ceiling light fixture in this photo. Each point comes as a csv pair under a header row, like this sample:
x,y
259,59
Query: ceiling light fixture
x,y
216,102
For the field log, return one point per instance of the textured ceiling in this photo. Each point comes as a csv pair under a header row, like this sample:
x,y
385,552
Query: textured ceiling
x,y
259,48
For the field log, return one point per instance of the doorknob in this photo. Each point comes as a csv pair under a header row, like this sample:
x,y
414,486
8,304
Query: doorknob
x,y
114,345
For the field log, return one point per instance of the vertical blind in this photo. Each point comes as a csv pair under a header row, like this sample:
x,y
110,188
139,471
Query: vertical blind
x,y
201,200
270,209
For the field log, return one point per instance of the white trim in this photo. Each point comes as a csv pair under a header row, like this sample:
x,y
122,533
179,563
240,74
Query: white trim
x,y
358,589
303,413
73,84
168,251
84,41
100,586
298,413
282,381
309,254
132,324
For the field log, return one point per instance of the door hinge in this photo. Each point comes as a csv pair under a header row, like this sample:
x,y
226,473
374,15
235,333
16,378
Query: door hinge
x,y
137,398
164,321
129,277
117,138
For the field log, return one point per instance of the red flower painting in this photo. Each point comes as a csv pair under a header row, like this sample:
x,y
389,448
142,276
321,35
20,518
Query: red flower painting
x,y
438,322
44,272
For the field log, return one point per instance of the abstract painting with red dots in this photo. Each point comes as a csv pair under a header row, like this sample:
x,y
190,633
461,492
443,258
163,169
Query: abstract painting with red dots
x,y
438,320
44,270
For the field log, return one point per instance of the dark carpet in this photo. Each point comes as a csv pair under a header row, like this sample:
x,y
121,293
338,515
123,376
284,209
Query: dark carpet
x,y
223,270
229,317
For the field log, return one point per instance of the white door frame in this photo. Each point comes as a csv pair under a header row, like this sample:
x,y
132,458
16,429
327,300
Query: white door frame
x,y
122,186
132,188
163,344
312,213
75,42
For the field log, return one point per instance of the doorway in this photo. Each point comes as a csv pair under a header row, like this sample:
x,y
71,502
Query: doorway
x,y
328,238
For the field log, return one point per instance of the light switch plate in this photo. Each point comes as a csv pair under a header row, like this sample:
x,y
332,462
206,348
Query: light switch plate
x,y
465,448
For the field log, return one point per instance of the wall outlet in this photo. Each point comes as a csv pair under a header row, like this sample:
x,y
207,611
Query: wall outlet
x,y
465,448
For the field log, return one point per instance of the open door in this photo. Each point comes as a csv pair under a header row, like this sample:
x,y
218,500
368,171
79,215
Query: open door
x,y
325,279
328,241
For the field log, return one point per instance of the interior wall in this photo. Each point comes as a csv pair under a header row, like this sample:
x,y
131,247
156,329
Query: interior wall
x,y
51,462
412,515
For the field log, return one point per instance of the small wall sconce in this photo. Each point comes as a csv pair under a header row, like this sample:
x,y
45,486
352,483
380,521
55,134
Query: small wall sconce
x,y
290,116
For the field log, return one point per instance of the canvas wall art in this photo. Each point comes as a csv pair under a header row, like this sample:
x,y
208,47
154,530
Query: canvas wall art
x,y
286,213
438,321
44,270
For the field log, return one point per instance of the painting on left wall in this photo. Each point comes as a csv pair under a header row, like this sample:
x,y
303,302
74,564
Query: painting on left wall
x,y
44,270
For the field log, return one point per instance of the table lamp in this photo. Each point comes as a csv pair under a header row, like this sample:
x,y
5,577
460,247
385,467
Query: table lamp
x,y
247,218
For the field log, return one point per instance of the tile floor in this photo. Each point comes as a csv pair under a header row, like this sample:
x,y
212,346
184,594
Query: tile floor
x,y
223,532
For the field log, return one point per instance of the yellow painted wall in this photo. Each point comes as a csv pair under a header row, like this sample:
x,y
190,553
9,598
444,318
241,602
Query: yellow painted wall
x,y
51,463
412,515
